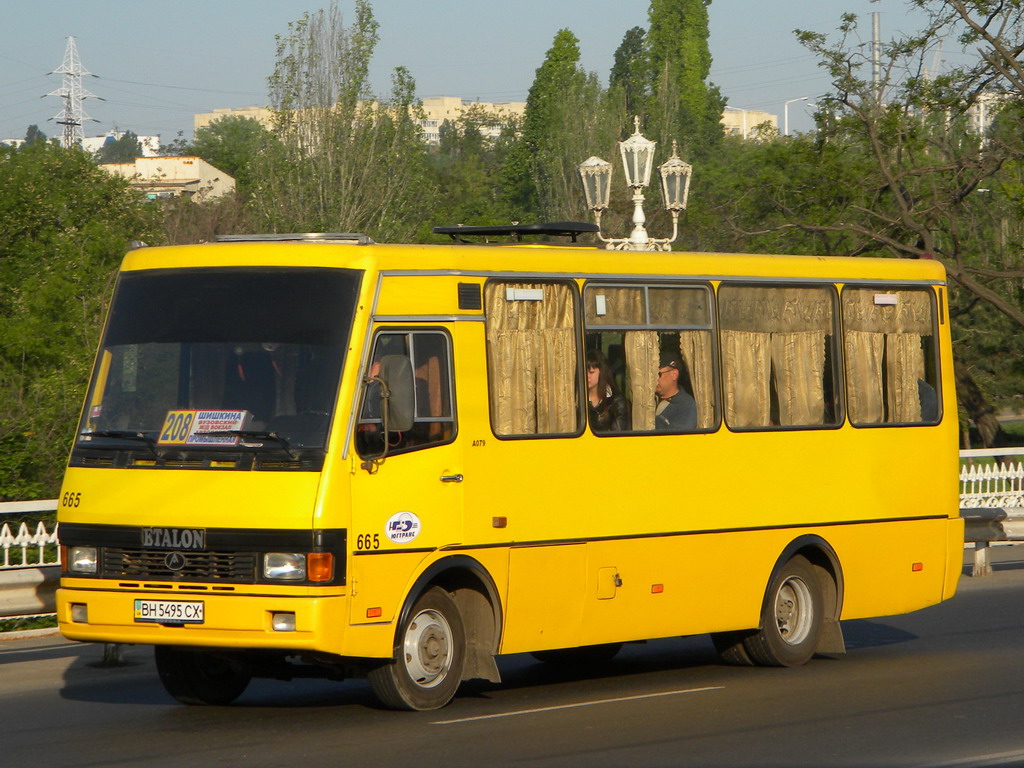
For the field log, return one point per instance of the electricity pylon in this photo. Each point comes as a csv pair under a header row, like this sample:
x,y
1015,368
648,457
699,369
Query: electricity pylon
x,y
73,94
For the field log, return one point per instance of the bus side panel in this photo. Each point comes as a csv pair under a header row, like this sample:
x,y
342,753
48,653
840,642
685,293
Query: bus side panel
x,y
545,598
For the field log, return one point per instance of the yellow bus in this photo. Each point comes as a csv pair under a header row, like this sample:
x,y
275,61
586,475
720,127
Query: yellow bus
x,y
314,455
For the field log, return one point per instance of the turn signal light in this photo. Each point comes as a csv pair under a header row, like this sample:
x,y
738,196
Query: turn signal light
x,y
320,566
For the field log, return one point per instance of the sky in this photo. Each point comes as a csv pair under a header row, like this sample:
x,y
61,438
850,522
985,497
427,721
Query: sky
x,y
159,63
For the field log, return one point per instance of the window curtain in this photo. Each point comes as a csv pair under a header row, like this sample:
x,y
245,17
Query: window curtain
x,y
780,330
532,360
642,358
898,330
695,349
747,366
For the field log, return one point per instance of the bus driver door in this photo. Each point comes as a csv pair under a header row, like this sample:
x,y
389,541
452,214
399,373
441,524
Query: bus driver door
x,y
406,488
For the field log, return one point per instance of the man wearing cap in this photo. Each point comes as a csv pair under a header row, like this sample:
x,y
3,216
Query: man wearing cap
x,y
676,411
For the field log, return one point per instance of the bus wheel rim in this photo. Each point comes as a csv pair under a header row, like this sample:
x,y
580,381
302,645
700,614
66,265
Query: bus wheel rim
x,y
428,648
794,611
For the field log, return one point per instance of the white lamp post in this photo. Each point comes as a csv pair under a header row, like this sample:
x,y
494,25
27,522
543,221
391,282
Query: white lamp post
x,y
785,115
743,113
637,160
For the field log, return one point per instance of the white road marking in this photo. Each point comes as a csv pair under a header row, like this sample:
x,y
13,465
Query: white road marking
x,y
579,704
1000,758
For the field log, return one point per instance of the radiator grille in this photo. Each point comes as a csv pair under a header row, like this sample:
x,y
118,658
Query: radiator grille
x,y
121,563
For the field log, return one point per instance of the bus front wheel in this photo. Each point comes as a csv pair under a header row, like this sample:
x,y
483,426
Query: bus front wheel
x,y
792,618
201,677
429,659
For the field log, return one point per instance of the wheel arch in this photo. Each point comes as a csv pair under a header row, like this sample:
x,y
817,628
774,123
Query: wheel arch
x,y
829,570
478,601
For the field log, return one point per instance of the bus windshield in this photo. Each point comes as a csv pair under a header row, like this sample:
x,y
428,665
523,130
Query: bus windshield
x,y
246,353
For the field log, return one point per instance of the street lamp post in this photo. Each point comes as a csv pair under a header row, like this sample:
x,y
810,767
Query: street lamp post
x,y
637,159
743,113
785,114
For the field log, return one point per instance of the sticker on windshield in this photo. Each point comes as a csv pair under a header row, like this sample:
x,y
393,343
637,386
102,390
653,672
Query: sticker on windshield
x,y
193,427
402,527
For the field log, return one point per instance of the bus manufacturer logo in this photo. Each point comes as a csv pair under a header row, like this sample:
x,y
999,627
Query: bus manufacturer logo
x,y
175,561
174,538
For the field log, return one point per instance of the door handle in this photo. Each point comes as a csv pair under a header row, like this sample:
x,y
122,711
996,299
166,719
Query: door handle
x,y
451,478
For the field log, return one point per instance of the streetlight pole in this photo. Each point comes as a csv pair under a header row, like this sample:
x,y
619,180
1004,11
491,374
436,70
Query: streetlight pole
x,y
785,114
743,112
637,159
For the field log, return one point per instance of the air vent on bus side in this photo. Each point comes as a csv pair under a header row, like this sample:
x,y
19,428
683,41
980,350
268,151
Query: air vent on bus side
x,y
469,296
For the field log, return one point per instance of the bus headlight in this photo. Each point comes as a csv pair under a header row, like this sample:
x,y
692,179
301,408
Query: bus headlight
x,y
285,566
81,560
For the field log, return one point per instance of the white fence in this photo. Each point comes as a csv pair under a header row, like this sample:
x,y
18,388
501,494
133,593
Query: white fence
x,y
991,501
29,559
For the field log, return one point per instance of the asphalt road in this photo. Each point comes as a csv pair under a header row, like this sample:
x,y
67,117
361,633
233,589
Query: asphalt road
x,y
940,687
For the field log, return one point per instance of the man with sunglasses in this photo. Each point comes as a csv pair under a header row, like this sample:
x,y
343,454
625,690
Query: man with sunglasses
x,y
676,410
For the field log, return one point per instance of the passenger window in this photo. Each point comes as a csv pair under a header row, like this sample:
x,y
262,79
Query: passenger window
x,y
778,356
532,358
891,359
429,355
656,344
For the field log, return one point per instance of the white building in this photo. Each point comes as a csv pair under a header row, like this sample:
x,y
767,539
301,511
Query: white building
x,y
170,176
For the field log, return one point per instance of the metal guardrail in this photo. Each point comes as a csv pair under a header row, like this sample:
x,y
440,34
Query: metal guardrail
x,y
991,503
29,559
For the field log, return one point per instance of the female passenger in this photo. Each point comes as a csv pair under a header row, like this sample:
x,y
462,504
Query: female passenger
x,y
608,410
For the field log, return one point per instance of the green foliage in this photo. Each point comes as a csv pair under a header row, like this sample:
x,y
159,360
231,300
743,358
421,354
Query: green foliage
x,y
122,150
233,144
34,136
64,225
341,162
630,72
684,106
567,116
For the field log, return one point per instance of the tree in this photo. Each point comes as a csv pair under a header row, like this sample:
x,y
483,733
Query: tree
x,y
232,144
684,106
34,136
64,226
629,72
123,149
342,162
567,117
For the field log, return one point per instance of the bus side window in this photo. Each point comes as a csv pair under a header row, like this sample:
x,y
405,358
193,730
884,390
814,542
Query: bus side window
x,y
634,327
778,356
532,358
433,413
891,359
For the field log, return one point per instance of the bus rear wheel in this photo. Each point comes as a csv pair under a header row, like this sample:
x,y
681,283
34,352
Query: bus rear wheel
x,y
791,620
430,656
201,677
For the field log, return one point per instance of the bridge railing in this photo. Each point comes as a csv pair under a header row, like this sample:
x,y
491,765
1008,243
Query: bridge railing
x,y
29,558
991,500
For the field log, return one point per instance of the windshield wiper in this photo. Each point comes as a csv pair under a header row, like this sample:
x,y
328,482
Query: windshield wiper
x,y
124,434
247,434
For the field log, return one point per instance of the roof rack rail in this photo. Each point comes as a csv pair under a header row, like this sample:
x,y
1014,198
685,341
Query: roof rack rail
x,y
355,238
570,229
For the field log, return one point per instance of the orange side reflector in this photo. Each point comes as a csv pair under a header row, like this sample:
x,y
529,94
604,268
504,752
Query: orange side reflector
x,y
63,558
917,567
657,589
499,522
373,613
320,566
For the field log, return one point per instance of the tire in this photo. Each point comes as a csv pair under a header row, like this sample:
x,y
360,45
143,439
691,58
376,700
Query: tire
x,y
791,619
586,656
201,677
430,655
730,650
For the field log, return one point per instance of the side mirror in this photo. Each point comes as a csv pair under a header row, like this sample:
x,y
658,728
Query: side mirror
x,y
400,386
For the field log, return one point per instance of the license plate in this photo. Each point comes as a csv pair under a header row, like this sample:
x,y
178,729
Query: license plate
x,y
170,611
